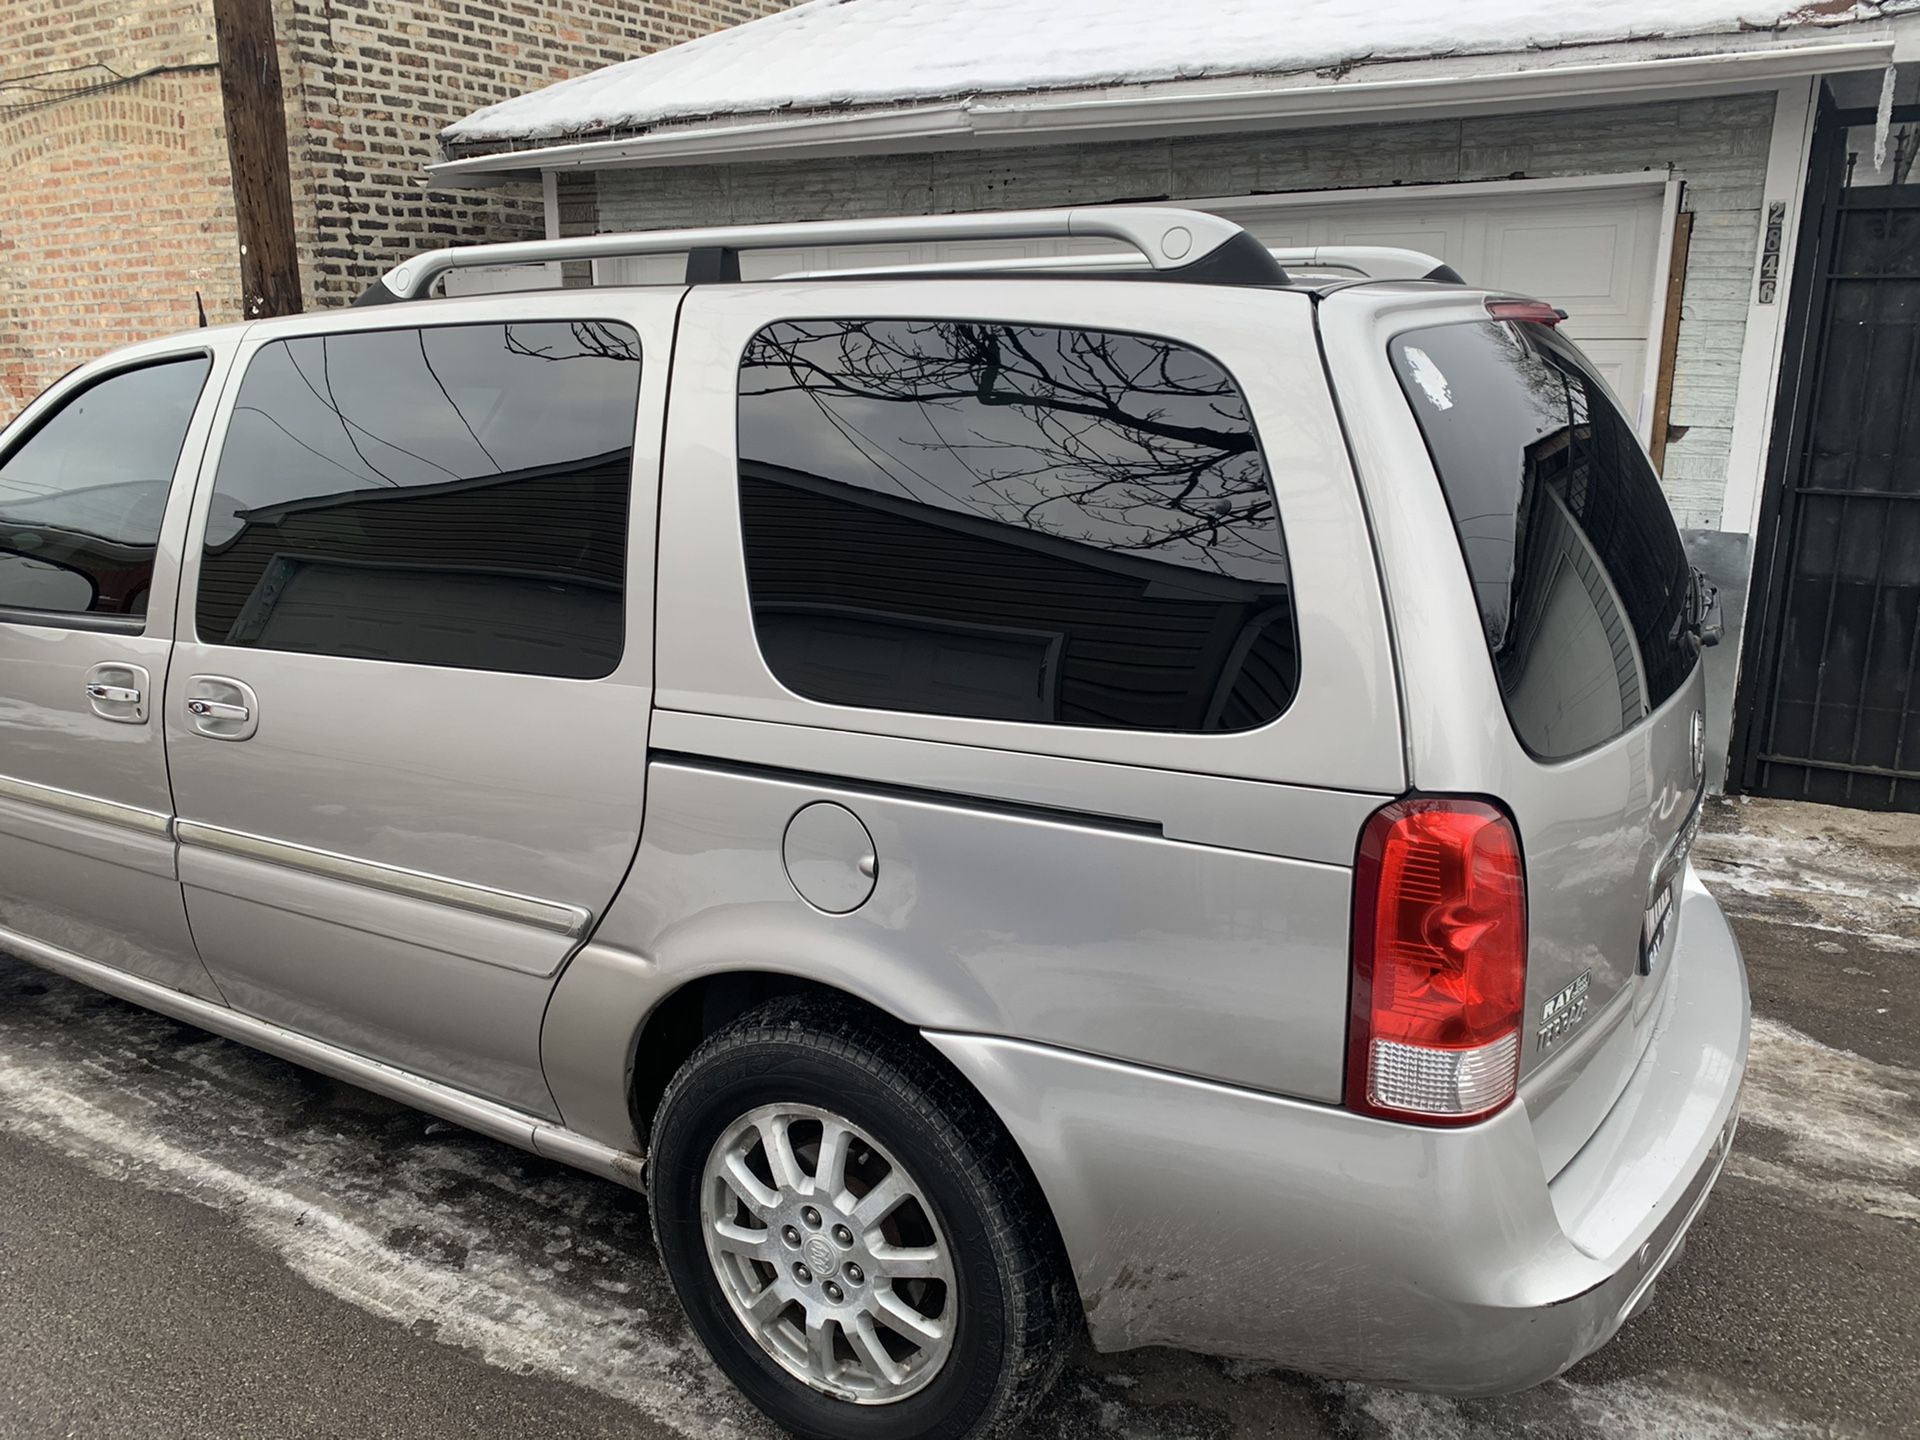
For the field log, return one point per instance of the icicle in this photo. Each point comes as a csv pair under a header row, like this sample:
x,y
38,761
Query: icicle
x,y
1883,120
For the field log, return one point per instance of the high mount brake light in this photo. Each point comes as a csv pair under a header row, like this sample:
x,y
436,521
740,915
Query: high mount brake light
x,y
1439,962
1537,312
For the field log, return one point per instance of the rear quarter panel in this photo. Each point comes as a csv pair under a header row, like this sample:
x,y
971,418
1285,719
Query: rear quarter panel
x,y
1112,941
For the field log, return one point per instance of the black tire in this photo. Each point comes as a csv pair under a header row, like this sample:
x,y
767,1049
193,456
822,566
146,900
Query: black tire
x,y
1018,1313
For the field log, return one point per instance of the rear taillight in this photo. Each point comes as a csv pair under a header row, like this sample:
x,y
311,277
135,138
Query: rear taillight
x,y
1439,962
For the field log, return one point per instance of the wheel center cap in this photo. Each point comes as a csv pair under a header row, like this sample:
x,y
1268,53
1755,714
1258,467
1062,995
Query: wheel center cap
x,y
820,1255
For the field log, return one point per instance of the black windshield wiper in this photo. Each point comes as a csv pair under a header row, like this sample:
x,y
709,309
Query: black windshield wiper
x,y
1703,620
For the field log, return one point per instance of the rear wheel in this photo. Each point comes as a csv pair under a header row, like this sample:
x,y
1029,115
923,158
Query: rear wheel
x,y
851,1233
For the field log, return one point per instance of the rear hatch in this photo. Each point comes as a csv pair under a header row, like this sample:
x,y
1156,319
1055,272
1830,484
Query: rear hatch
x,y
1583,596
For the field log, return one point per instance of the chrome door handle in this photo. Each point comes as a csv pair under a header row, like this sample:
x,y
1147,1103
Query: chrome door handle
x,y
117,691
218,710
222,708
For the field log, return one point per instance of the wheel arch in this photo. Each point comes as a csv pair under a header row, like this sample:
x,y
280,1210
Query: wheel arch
x,y
615,1037
618,1025
674,1028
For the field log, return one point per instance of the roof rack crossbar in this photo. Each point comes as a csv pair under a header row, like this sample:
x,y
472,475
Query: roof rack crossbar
x,y
1169,239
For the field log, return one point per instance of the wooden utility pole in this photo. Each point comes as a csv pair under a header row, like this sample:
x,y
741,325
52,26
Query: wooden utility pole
x,y
257,155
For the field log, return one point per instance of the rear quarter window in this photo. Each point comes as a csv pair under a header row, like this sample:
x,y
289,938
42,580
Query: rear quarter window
x,y
1012,522
1574,557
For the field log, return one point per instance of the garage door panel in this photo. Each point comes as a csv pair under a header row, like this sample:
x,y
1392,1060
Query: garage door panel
x,y
1598,266
1447,242
1593,253
763,264
640,270
1621,363
1285,235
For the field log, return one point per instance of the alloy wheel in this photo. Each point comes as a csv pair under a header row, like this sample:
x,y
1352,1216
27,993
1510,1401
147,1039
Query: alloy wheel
x,y
829,1253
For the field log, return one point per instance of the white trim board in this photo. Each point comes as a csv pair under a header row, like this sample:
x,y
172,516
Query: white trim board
x,y
1765,338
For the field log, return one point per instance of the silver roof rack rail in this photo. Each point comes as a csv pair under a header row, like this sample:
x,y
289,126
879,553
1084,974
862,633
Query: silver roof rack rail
x,y
1367,262
1180,244
1018,264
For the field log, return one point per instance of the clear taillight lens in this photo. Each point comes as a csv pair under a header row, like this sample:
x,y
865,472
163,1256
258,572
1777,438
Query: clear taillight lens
x,y
1439,962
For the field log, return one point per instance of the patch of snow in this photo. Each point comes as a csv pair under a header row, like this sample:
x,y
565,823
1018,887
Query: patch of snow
x,y
831,53
1786,865
1405,1413
1838,1111
1883,118
1646,1410
512,1314
1823,1192
1636,1409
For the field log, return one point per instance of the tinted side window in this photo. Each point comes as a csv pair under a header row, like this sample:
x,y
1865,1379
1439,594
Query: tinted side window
x,y
1579,570
1060,526
446,496
81,499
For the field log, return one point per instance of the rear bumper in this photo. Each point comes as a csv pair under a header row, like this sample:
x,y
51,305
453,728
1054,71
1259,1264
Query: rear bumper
x,y
1217,1219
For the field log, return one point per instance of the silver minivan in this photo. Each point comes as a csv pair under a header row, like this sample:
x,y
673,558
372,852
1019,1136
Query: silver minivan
x,y
1147,800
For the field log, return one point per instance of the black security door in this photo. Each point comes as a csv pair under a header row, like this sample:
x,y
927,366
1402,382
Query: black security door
x,y
1830,708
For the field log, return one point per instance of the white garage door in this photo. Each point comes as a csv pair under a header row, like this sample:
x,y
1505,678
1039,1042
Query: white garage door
x,y
1592,252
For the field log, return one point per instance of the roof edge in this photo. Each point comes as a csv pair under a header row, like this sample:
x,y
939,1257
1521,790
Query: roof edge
x,y
1397,90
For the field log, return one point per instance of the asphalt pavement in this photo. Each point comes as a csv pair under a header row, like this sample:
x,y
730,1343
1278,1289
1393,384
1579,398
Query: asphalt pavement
x,y
197,1240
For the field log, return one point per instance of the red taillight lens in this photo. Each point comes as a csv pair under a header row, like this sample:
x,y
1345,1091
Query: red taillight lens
x,y
1439,962
1536,312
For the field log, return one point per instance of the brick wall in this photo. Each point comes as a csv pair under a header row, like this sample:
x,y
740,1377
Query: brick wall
x,y
371,82
1719,145
115,205
115,196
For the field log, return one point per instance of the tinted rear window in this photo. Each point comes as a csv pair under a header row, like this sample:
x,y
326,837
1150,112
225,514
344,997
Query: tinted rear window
x,y
1012,522
1573,553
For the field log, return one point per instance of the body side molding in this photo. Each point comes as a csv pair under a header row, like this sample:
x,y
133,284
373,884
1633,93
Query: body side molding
x,y
89,807
527,909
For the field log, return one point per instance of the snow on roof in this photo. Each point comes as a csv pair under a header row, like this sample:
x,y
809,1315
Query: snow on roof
x,y
829,53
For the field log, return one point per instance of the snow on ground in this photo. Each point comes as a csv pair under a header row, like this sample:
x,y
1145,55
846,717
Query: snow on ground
x,y
866,52
1851,873
1842,1126
1846,1122
1619,1410
411,1236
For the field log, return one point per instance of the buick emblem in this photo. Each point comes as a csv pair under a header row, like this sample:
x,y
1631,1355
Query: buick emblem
x,y
1697,746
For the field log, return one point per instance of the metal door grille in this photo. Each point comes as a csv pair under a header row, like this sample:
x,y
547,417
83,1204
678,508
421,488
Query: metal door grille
x,y
1834,711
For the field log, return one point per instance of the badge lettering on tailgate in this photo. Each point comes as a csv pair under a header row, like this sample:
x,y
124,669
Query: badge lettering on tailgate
x,y
1565,1012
